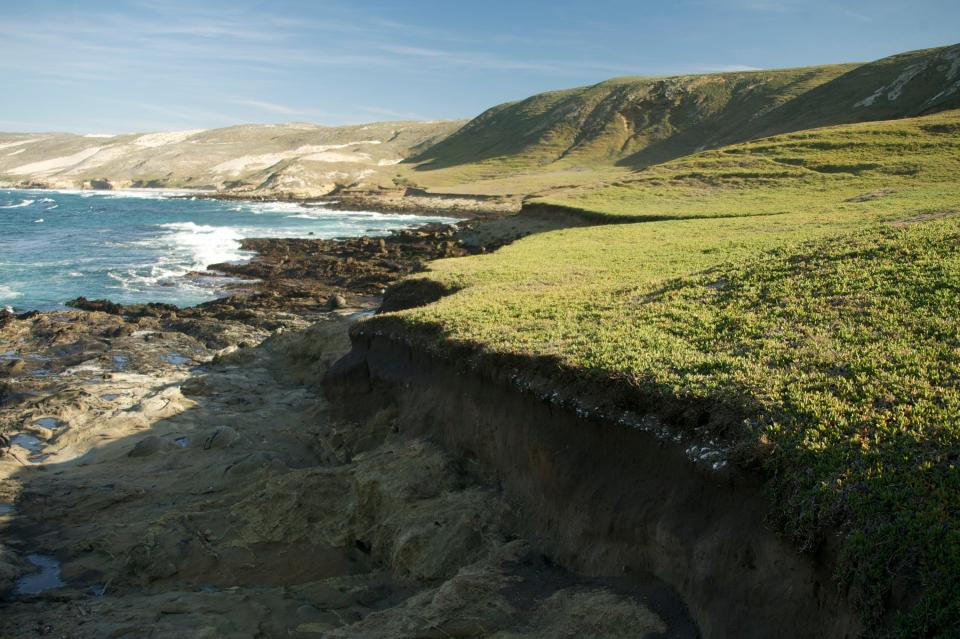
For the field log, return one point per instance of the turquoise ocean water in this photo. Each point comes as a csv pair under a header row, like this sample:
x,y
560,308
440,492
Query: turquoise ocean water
x,y
132,246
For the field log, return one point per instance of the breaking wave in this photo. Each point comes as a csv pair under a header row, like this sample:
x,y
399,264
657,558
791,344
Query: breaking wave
x,y
7,293
20,204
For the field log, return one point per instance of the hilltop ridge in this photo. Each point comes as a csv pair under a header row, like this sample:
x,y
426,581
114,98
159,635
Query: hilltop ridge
x,y
555,139
632,123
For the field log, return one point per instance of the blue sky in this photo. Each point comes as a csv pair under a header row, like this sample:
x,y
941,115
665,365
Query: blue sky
x,y
109,67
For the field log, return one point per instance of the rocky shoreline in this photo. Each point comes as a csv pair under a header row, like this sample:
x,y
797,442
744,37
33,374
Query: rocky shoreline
x,y
180,469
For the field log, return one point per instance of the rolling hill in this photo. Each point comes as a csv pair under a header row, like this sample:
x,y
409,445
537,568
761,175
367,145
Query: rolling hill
x,y
787,304
637,122
290,159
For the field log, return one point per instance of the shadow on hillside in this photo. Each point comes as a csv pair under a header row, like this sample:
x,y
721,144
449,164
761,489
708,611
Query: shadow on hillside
x,y
924,88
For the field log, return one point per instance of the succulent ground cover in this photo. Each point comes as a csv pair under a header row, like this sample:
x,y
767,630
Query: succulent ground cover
x,y
804,289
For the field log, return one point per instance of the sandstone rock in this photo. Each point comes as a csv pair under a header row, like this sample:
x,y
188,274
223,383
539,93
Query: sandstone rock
x,y
104,306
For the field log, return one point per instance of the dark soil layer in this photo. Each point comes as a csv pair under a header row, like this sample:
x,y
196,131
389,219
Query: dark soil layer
x,y
606,499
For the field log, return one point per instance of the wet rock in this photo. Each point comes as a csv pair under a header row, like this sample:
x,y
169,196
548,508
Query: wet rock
x,y
104,306
221,437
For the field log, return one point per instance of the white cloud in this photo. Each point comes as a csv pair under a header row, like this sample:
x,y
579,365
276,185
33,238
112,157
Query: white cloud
x,y
390,113
726,68
272,107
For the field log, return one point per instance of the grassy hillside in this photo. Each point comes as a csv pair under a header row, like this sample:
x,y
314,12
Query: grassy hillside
x,y
877,166
297,159
638,122
614,120
793,300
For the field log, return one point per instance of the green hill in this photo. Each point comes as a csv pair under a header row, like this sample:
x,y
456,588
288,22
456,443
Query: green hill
x,y
883,164
791,301
636,122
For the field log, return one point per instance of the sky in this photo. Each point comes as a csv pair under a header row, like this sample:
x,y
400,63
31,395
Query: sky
x,y
154,65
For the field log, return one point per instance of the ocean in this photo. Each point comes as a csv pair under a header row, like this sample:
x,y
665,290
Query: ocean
x,y
136,246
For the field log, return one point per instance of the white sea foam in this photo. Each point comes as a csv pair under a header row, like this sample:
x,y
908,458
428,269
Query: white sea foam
x,y
20,204
146,194
306,216
181,247
7,293
150,194
204,244
258,208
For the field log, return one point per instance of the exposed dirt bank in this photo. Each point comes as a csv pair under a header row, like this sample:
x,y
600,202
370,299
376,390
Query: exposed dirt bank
x,y
606,498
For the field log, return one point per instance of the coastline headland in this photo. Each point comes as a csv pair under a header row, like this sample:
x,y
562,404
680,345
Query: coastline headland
x,y
146,437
